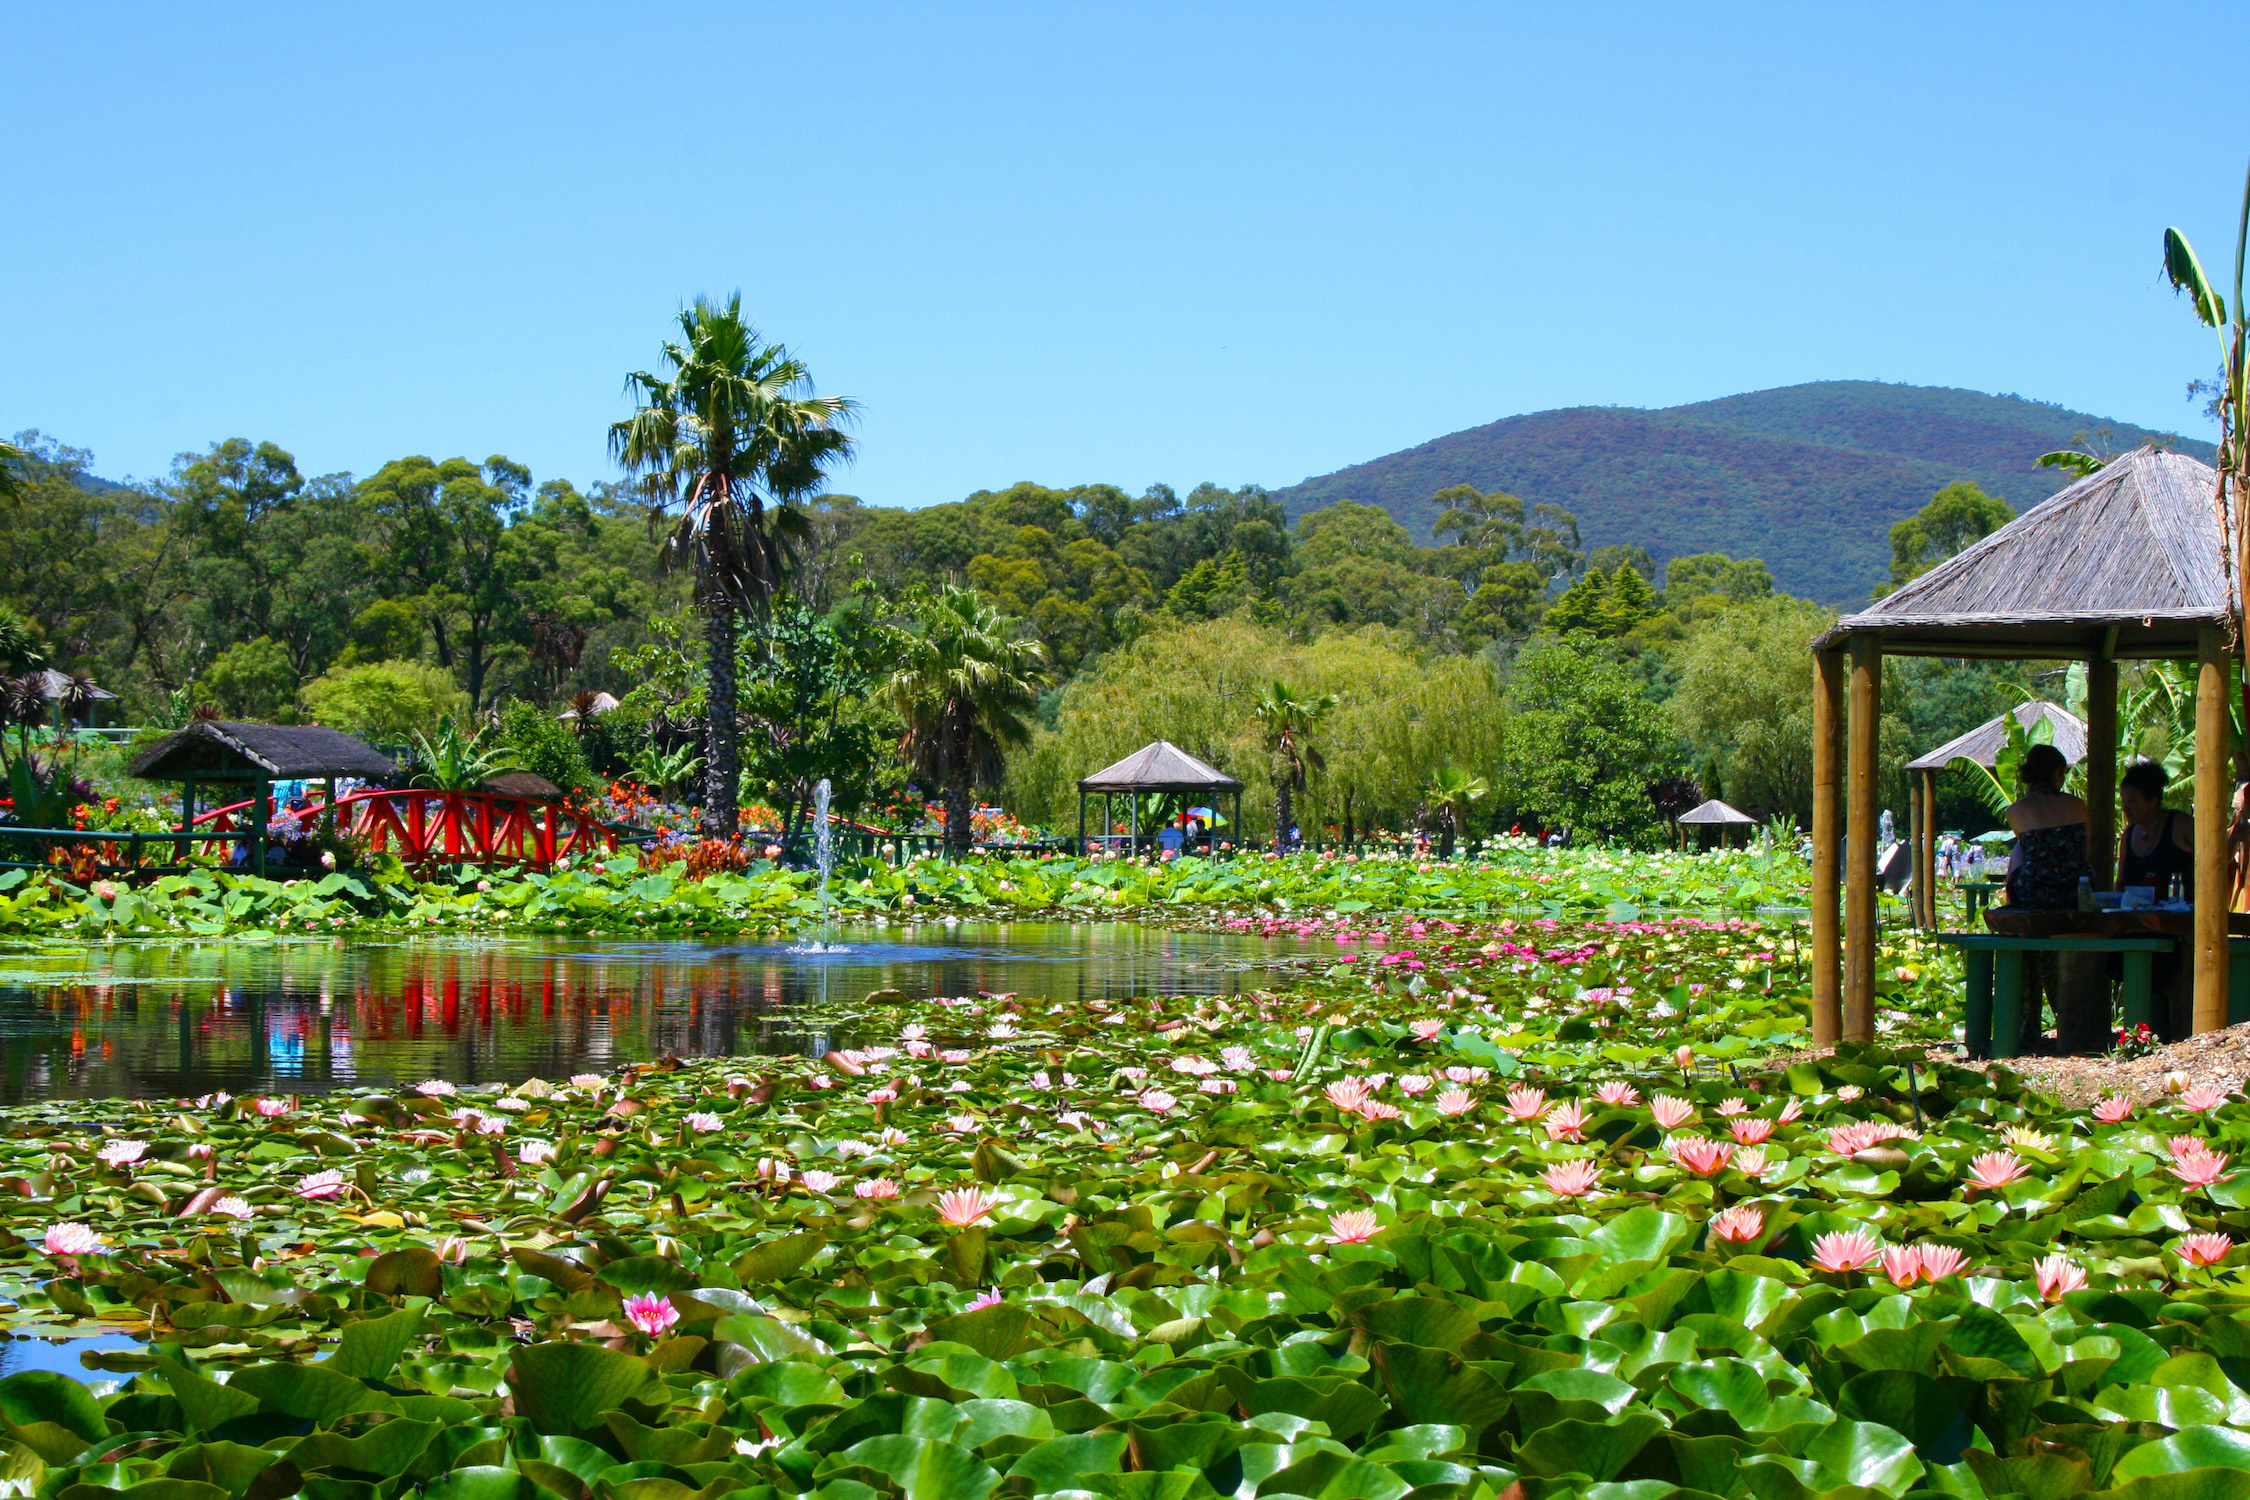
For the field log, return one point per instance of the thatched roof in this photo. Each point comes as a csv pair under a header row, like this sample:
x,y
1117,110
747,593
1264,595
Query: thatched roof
x,y
601,703
1160,766
2125,562
1984,743
527,784
1715,811
215,750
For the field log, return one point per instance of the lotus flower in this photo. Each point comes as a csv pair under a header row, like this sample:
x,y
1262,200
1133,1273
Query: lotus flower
x,y
961,1207
233,1206
1347,1094
1739,1225
2058,1277
818,1181
1671,1113
1456,1102
1903,1264
1995,1169
1684,1057
1571,1179
651,1314
1845,1250
1702,1157
2205,1249
2204,1096
72,1239
1941,1261
1567,1122
328,1184
1750,1130
1527,1103
883,1187
1353,1227
122,1153
2200,1170
1617,1094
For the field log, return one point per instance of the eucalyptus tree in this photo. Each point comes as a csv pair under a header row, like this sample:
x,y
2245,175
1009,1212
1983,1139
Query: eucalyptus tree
x,y
732,434
1288,720
967,688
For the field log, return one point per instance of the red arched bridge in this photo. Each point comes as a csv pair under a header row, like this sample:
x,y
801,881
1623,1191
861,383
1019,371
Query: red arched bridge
x,y
455,828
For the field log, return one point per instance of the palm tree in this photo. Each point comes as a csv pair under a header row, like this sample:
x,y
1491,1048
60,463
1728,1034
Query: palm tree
x,y
1289,721
1451,792
733,433
966,690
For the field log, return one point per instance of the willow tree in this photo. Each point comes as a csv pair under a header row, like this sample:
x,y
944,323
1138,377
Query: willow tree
x,y
967,688
733,435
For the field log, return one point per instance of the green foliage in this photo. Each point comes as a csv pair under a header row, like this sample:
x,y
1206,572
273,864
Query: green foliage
x,y
538,743
1583,741
389,702
253,681
965,688
1745,698
1736,580
1956,516
387,630
452,761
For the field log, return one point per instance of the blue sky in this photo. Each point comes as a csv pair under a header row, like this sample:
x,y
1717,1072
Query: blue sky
x,y
1073,243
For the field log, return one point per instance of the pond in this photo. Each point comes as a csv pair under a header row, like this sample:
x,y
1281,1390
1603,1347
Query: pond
x,y
176,1020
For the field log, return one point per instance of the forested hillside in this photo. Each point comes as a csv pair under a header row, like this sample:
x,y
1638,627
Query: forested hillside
x,y
1808,477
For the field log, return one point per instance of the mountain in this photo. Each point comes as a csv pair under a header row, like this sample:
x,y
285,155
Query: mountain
x,y
1808,477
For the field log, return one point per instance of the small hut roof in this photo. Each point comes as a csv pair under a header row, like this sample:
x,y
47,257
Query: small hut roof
x,y
1984,743
57,683
1715,811
2124,562
528,784
1160,766
216,750
601,703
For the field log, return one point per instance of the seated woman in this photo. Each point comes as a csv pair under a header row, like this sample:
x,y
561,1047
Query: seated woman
x,y
2049,862
2050,827
2159,841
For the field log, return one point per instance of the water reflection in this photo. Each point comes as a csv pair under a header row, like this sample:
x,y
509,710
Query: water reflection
x,y
178,1020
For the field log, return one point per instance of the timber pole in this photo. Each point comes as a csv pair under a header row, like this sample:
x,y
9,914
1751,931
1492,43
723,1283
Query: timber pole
x,y
2101,770
1925,873
2214,780
1863,733
1827,838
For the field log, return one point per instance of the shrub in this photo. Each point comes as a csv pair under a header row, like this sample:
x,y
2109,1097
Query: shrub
x,y
543,745
388,701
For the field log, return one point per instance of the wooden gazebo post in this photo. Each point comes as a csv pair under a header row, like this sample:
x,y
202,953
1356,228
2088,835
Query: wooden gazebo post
x,y
1827,836
1861,936
2101,768
2214,780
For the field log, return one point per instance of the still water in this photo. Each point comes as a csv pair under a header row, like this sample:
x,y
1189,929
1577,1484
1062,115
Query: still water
x,y
180,1019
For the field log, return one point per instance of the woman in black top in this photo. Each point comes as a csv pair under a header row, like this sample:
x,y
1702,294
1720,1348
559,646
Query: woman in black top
x,y
2159,841
2050,827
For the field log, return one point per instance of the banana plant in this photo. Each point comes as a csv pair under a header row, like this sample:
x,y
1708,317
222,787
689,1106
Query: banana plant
x,y
1995,787
457,762
664,770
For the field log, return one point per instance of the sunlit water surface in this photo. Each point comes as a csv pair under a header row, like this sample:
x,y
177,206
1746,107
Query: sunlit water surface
x,y
181,1019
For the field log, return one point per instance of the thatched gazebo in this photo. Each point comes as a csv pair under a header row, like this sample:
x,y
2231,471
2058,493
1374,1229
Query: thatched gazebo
x,y
1983,744
251,758
1155,769
1716,814
2128,563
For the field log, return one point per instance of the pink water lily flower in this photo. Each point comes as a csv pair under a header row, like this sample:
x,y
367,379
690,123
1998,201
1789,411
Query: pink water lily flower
x,y
1527,1103
1739,1225
1671,1113
1427,1029
233,1206
1845,1250
991,1298
533,1152
2203,1097
72,1239
2187,1145
651,1314
1347,1094
434,1087
122,1153
1566,1122
2205,1249
1903,1264
2200,1169
703,1121
1156,1101
961,1207
1995,1169
1700,1156
1749,1130
1456,1102
1414,1083
1354,1226
2112,1109
1684,1058
1376,1109
328,1184
1941,1261
878,1187
1750,1161
1731,1108
1571,1179
270,1108
2058,1277
818,1181
1617,1094
1850,1140
1793,1110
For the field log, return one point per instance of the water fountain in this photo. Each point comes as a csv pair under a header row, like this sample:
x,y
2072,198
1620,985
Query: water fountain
x,y
824,860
